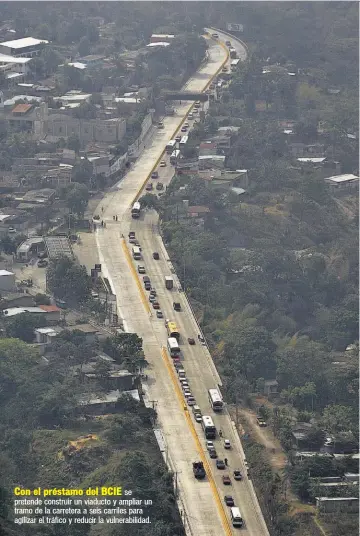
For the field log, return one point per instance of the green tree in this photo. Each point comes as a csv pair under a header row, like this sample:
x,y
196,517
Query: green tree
x,y
77,198
73,142
68,280
84,46
338,419
22,326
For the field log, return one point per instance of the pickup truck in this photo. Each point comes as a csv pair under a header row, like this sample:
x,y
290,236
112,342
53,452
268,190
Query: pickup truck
x,y
198,470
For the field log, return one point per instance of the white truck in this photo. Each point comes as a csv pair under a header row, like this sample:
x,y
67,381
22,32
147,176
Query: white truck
x,y
169,282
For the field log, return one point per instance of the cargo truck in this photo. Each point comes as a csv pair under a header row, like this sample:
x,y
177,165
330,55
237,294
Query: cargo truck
x,y
198,470
169,282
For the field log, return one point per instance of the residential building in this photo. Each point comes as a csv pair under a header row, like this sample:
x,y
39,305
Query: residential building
x,y
93,60
52,312
162,38
14,311
212,161
60,125
15,299
9,64
45,196
225,179
270,387
304,150
28,117
343,184
207,148
108,403
7,280
11,218
100,162
58,177
328,505
27,47
90,332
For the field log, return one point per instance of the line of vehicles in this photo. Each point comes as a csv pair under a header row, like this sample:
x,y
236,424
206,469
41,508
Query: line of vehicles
x,y
207,423
214,396
173,148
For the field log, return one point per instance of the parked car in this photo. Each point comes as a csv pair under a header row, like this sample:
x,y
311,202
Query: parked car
x,y
162,163
156,256
42,263
237,474
220,464
227,444
229,501
159,186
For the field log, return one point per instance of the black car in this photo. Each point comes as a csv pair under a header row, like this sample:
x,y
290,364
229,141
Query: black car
x,y
229,501
237,475
213,453
220,464
156,256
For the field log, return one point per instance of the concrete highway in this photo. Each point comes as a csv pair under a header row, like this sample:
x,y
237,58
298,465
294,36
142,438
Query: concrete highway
x,y
202,501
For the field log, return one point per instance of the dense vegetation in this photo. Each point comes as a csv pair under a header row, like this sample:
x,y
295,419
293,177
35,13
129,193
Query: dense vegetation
x,y
40,416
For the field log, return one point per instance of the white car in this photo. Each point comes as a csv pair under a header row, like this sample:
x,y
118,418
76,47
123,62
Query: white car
x,y
12,230
162,163
210,445
227,444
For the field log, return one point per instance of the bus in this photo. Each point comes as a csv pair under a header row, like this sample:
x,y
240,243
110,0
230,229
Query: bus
x,y
173,331
173,347
215,399
170,146
135,211
208,427
184,141
174,156
236,518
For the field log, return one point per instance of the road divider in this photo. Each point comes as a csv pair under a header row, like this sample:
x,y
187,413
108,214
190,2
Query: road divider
x,y
199,447
135,275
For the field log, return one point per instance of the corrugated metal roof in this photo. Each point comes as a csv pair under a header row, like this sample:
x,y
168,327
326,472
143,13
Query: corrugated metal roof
x,y
22,108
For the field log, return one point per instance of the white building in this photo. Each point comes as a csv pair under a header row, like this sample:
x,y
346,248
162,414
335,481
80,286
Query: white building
x,y
343,183
9,64
27,47
7,280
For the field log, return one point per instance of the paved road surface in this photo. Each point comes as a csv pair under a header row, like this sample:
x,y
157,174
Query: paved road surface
x,y
201,504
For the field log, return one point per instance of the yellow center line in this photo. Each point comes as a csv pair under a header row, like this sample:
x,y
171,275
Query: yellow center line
x,y
135,275
199,447
182,122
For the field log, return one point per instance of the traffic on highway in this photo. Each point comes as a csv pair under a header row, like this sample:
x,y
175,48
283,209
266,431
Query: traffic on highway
x,y
203,447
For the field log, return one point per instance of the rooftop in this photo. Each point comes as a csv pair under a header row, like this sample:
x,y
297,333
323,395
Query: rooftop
x,y
13,311
5,272
23,42
22,108
49,308
158,44
313,160
5,58
342,178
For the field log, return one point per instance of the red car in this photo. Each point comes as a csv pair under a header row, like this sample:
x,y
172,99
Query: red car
x,y
226,480
156,305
